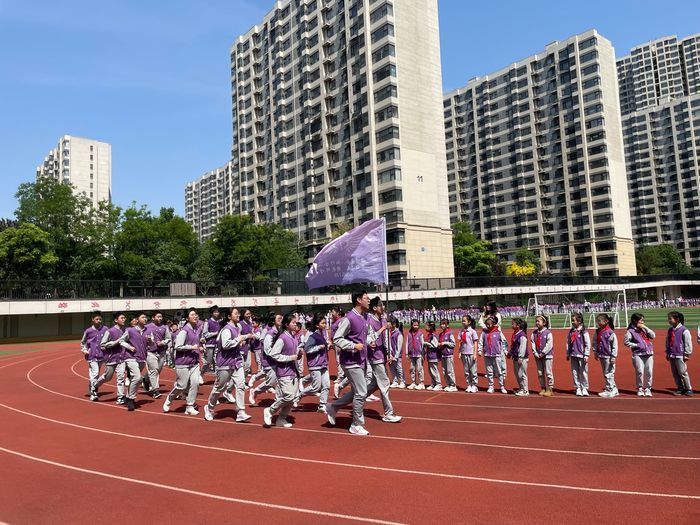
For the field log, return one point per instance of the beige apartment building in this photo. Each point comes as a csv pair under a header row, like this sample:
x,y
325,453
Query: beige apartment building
x,y
660,95
535,159
83,163
337,119
208,199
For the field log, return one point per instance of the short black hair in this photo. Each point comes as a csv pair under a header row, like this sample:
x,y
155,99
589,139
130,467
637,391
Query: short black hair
x,y
155,312
116,315
374,302
95,313
678,316
211,310
358,295
337,309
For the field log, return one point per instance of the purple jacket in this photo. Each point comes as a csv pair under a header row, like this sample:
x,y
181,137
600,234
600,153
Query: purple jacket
x,y
155,334
377,354
114,354
604,342
188,339
246,328
269,334
92,338
575,343
674,341
645,345
432,352
516,343
316,349
395,349
289,348
491,342
446,336
229,357
414,344
212,326
135,344
356,334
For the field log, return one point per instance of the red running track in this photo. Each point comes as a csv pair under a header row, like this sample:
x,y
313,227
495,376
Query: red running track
x,y
455,458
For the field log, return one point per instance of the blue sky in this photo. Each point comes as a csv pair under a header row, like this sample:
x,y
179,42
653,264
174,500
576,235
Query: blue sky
x,y
152,78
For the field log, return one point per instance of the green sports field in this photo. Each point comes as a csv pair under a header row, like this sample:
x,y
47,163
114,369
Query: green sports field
x,y
655,318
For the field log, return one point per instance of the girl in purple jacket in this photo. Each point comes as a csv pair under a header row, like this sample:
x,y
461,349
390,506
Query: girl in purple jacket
x,y
679,346
605,351
578,348
432,355
414,351
519,354
640,340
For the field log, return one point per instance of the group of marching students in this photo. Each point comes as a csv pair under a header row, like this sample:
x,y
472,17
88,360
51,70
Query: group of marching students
x,y
364,342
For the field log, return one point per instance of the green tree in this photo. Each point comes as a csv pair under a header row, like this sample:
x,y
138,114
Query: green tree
x,y
241,250
26,253
660,259
472,256
526,263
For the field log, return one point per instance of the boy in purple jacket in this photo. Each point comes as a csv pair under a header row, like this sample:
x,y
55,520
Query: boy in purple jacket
x,y
113,357
134,342
188,351
212,326
679,347
90,347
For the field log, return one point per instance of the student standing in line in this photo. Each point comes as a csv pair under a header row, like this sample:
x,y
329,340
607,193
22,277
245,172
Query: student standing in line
x,y
284,353
316,349
640,339
113,357
414,350
351,338
490,346
468,339
679,347
519,354
212,327
229,367
432,355
90,347
274,322
605,351
158,339
134,342
578,348
446,344
188,350
396,354
376,358
491,310
543,350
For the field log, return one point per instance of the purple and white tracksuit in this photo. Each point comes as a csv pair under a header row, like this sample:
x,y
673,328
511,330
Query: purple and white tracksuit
x,y
605,347
414,350
491,345
212,327
447,341
316,350
158,340
187,355
468,339
519,354
134,344
283,357
90,346
641,342
433,355
113,359
396,353
679,347
376,359
578,348
229,366
543,350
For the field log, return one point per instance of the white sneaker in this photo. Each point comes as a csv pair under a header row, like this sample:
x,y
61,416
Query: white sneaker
x,y
490,390
605,393
420,386
372,398
431,387
295,404
615,392
503,390
228,396
201,379
437,388
579,393
208,414
358,430
584,392
452,388
402,385
394,385
166,404
251,382
321,408
271,390
336,390
330,413
251,397
412,386
191,411
522,393
283,423
242,417
641,392
267,417
392,419
647,392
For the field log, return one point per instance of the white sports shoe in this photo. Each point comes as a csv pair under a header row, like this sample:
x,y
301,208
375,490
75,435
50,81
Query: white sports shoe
x,y
242,417
431,387
522,393
402,385
641,392
412,386
615,392
420,386
438,388
228,396
358,430
579,392
372,398
208,414
283,423
191,411
605,393
392,419
251,382
330,413
584,392
394,384
336,390
267,417
251,397
166,404
490,390
647,392
503,390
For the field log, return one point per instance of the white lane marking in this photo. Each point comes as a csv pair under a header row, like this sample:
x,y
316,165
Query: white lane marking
x,y
361,467
20,361
198,493
375,436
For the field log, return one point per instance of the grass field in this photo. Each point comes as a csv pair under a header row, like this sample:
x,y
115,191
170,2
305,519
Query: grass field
x,y
655,318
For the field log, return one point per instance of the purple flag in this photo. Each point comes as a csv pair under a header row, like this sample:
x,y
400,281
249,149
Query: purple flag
x,y
357,256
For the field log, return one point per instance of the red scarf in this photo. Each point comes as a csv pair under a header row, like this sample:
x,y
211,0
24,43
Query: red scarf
x,y
644,335
538,339
573,335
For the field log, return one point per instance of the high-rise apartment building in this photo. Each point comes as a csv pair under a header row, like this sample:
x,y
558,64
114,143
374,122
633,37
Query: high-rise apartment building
x,y
208,199
337,119
535,159
660,95
84,163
